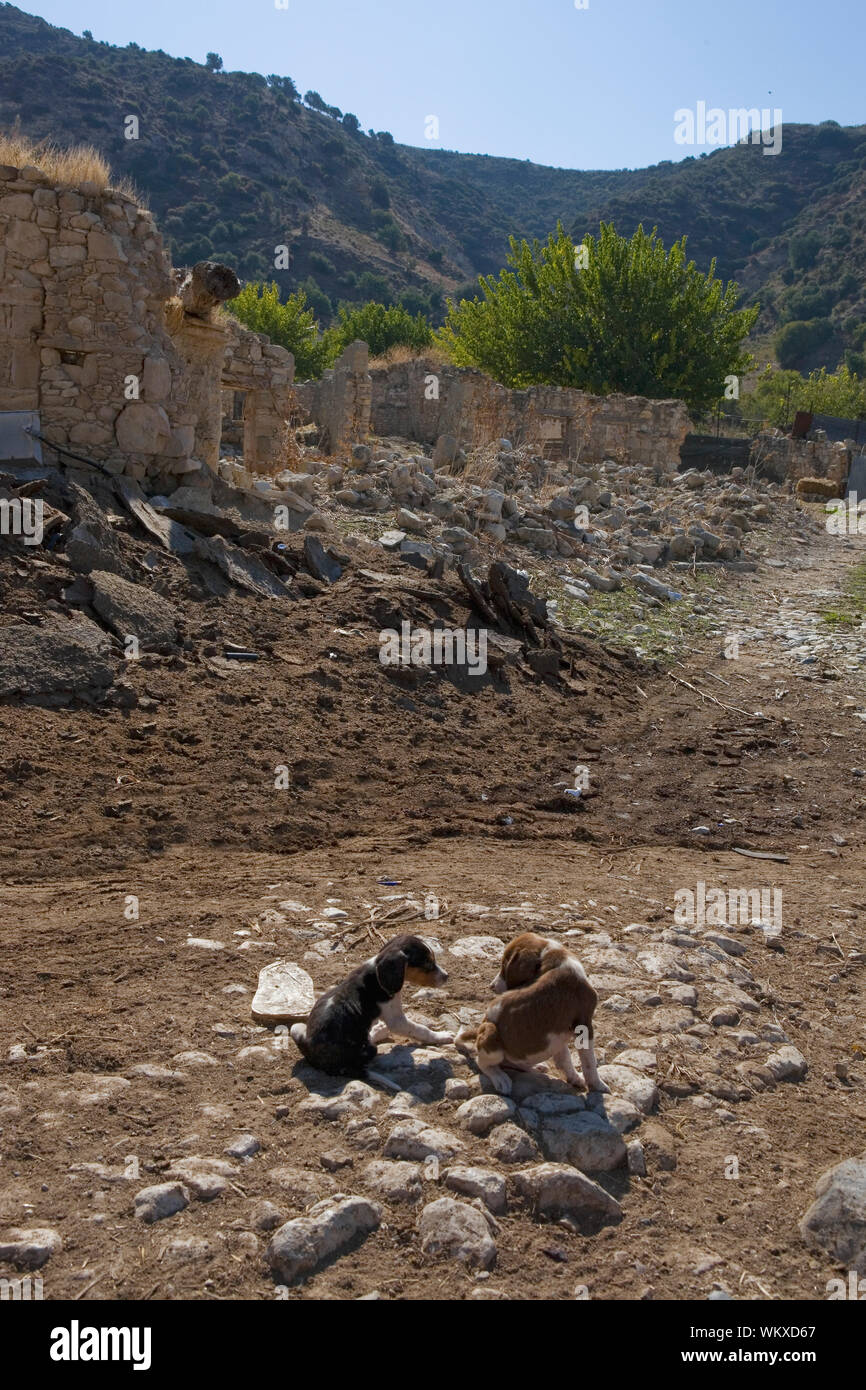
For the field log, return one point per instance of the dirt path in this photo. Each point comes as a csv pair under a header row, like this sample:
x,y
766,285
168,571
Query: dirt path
x,y
129,1050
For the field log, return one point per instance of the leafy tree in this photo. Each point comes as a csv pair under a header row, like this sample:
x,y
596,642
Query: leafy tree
x,y
283,84
800,337
291,324
315,101
778,395
213,62
382,327
633,318
351,122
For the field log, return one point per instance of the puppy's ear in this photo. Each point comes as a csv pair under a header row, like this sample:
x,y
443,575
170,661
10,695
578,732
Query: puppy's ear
x,y
522,969
391,971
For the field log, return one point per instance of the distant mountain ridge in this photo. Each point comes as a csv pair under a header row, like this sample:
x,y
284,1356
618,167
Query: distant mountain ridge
x,y
235,167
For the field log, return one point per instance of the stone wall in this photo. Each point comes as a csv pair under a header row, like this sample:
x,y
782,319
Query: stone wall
x,y
263,373
83,284
420,401
340,402
778,456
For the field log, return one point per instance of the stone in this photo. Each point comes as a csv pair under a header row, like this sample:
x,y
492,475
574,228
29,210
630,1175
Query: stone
x,y
636,1159
266,1217
245,1146
30,1248
482,1113
585,1139
445,452
836,1220
285,994
185,1249
133,610
321,563
158,1202
554,1190
66,659
142,428
394,1181
510,1144
330,1229
205,1178
639,1090
478,948
658,1146
458,1231
414,1140
354,1098
479,1182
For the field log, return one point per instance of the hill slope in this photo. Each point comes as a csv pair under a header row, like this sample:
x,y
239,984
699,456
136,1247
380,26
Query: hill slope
x,y
235,167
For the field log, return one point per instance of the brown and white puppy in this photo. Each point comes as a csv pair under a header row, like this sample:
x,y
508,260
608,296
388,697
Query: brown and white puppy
x,y
341,1033
547,1002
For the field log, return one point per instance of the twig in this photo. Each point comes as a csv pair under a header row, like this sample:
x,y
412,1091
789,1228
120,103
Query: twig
x,y
704,696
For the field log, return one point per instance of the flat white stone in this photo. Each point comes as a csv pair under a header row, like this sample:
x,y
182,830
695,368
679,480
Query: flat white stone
x,y
284,995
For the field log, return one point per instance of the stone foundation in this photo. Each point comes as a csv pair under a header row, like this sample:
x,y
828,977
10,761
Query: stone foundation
x,y
420,401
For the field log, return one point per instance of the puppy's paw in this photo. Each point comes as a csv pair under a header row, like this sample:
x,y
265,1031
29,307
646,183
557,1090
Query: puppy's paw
x,y
600,1089
379,1032
443,1037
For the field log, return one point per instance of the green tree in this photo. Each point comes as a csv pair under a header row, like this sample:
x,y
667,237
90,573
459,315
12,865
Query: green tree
x,y
617,315
291,324
213,62
800,337
382,327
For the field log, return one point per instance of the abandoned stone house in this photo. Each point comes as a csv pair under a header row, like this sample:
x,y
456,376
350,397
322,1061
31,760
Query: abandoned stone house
x,y
123,362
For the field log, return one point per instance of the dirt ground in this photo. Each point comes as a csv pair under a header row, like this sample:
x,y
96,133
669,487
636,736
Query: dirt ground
x,y
128,830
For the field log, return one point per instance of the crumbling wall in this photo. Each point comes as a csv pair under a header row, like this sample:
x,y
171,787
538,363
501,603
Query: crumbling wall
x,y
417,400
83,284
778,456
263,372
340,402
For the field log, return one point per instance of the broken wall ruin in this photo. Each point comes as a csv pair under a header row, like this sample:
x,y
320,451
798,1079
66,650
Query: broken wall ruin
x,y
95,338
83,284
418,401
340,402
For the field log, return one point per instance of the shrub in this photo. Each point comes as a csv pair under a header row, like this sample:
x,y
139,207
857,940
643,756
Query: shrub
x,y
800,337
382,327
291,324
636,319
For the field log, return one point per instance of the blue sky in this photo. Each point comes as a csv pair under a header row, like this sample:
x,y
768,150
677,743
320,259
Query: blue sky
x,y
592,88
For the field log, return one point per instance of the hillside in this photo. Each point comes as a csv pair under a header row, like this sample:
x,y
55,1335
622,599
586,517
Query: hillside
x,y
235,165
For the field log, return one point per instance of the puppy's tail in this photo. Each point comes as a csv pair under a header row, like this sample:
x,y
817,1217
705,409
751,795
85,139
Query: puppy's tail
x,y
298,1032
466,1036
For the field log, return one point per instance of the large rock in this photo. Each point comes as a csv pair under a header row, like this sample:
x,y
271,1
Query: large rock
x,y
394,1182
31,1248
162,1200
480,1114
836,1220
585,1139
131,610
479,1182
415,1141
60,660
454,1229
142,428
556,1189
331,1228
284,995
639,1090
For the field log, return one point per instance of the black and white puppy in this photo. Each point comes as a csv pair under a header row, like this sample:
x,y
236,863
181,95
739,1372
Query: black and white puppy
x,y
340,1034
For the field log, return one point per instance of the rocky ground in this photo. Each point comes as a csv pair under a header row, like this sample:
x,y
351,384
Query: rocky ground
x,y
175,822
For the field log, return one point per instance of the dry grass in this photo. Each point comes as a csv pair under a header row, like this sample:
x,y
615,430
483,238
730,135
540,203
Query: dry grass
x,y
430,357
74,166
